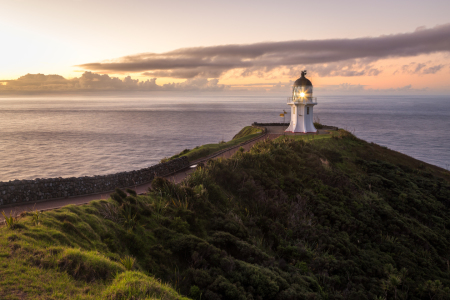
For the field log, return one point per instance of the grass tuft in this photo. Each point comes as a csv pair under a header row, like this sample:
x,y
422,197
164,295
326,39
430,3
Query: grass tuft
x,y
88,265
36,217
135,285
128,262
11,221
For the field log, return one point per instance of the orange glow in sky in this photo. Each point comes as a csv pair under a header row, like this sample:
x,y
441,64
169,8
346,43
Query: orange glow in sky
x,y
69,38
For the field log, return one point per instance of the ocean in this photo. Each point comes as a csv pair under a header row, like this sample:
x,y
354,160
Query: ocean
x,y
89,135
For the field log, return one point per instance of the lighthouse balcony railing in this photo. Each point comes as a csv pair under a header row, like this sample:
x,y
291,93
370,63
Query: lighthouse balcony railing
x,y
306,100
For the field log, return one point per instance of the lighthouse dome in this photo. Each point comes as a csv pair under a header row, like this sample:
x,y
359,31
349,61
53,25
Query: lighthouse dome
x,y
303,81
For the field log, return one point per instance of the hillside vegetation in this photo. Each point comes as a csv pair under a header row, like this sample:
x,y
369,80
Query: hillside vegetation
x,y
247,133
332,218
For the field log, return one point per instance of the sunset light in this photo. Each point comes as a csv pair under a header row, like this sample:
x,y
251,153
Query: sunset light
x,y
225,150
372,57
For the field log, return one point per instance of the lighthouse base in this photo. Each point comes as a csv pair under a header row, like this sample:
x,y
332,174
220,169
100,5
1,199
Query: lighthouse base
x,y
301,127
301,118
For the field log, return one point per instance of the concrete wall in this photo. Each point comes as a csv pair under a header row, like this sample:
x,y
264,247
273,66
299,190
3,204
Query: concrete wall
x,y
21,191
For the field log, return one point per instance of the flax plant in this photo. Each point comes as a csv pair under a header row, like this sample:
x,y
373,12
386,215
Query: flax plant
x,y
128,262
11,221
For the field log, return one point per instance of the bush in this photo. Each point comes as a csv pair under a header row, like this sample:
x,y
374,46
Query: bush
x,y
131,192
179,225
195,293
318,125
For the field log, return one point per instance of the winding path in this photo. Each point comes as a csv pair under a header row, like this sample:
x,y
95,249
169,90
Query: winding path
x,y
271,133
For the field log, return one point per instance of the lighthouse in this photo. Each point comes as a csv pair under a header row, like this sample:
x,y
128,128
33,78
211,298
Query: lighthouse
x,y
302,103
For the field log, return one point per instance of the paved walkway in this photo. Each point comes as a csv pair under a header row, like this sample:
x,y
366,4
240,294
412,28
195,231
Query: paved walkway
x,y
57,203
272,133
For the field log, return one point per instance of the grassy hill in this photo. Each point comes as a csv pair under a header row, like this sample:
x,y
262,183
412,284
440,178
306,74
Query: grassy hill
x,y
247,133
331,218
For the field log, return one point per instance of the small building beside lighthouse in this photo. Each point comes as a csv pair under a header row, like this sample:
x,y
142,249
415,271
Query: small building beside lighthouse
x,y
302,105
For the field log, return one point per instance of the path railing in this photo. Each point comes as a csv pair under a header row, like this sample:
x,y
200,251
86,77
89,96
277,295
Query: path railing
x,y
306,100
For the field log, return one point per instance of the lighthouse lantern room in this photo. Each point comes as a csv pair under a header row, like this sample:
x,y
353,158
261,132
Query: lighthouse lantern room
x,y
302,103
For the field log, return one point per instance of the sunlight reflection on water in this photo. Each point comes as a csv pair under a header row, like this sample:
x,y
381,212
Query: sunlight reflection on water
x,y
64,137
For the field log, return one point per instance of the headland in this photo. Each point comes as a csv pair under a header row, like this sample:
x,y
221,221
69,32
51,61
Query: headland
x,y
295,217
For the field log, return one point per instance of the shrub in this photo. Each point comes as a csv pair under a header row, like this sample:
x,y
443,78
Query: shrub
x,y
130,200
195,293
179,225
225,288
118,196
121,193
318,125
111,212
131,192
135,285
130,220
128,262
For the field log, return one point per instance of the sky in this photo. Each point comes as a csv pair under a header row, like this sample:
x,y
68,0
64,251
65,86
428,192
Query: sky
x,y
363,47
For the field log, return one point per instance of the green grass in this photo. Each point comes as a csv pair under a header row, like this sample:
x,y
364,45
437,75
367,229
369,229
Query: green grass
x,y
74,253
88,265
244,135
11,220
247,130
135,285
20,280
306,137
128,262
299,217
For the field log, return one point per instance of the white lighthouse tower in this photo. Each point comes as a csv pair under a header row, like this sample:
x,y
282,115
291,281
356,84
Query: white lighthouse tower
x,y
302,104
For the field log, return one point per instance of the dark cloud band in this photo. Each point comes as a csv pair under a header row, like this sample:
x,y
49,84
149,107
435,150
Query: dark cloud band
x,y
211,62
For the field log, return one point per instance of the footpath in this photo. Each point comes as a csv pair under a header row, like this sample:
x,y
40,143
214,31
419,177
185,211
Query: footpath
x,y
271,132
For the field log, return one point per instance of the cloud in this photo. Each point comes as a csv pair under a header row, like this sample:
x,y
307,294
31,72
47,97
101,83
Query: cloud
x,y
343,87
433,70
196,84
38,83
348,88
421,68
331,57
346,68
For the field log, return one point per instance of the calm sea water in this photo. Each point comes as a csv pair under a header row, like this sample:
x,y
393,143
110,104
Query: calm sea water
x,y
77,136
